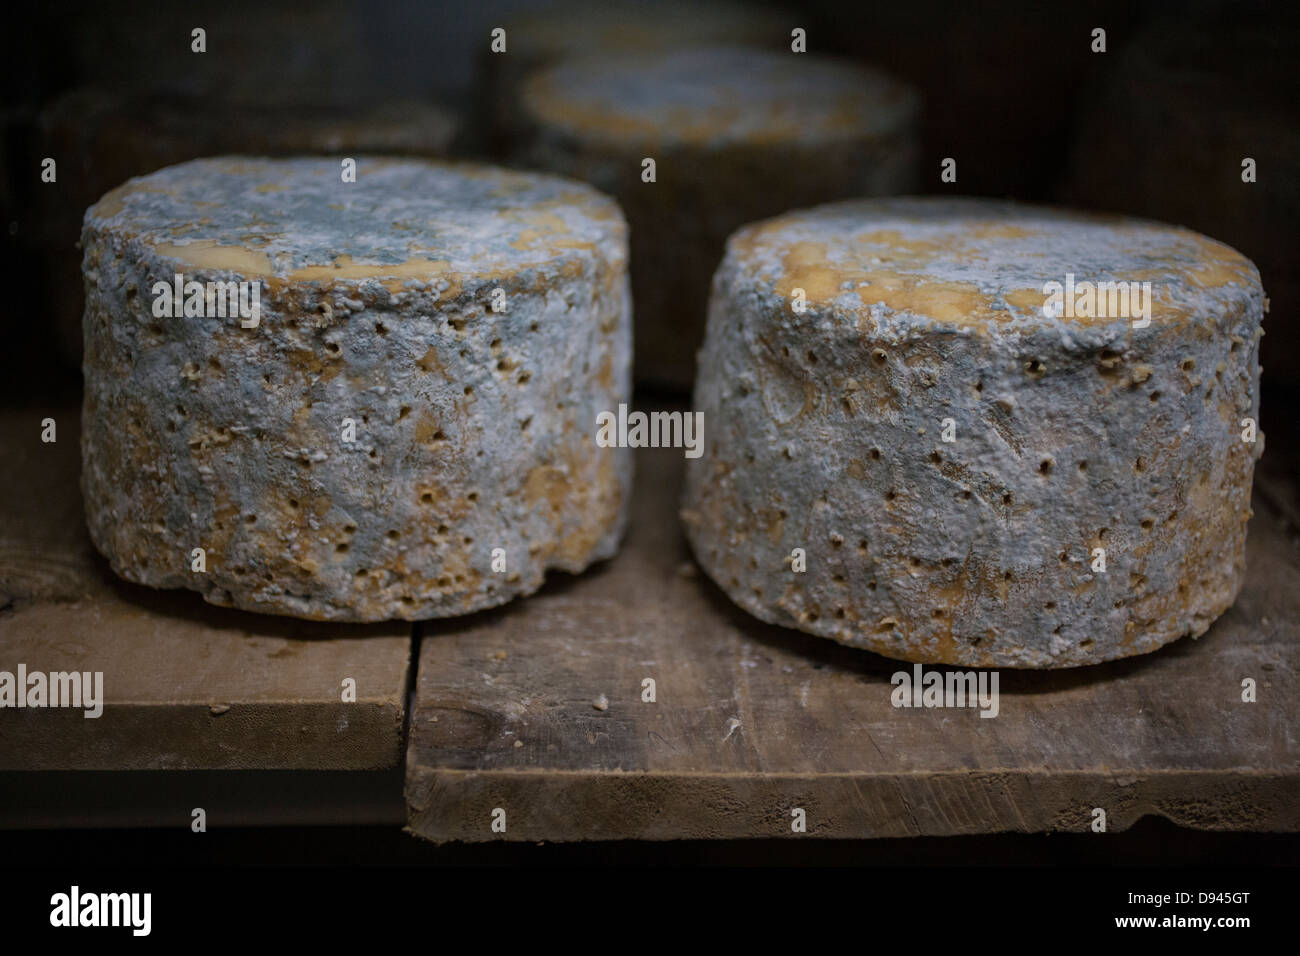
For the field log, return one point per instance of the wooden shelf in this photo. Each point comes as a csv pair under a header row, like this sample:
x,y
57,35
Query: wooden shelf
x,y
187,686
753,721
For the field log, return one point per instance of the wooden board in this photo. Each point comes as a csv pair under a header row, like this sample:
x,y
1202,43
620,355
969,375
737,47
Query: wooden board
x,y
752,721
186,685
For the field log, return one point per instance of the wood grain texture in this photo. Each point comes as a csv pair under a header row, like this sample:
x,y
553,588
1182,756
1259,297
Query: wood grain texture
x,y
752,721
187,686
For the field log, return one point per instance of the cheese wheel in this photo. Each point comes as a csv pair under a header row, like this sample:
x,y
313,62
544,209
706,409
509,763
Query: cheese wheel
x,y
101,138
402,429
539,38
735,134
968,478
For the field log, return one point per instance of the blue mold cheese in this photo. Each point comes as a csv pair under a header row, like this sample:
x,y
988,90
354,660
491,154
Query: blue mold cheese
x,y
353,400
104,137
538,38
978,433
695,142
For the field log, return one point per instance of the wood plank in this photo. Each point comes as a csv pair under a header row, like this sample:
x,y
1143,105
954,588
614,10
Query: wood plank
x,y
752,721
186,685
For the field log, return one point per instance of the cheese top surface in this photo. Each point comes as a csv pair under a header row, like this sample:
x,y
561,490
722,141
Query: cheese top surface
x,y
717,95
620,25
297,220
974,262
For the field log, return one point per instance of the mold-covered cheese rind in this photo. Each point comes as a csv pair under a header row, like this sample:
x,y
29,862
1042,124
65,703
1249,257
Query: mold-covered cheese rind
x,y
366,449
736,134
1073,437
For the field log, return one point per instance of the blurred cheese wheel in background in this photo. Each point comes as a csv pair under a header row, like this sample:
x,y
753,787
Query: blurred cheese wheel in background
x,y
1167,129
101,138
544,36
735,134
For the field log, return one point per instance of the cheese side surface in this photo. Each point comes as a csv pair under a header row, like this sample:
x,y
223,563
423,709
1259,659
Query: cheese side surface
x,y
370,399
735,134
908,454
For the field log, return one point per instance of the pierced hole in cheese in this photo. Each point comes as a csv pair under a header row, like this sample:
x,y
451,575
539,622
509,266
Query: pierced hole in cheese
x,y
374,453
381,329
523,426
1065,557
1139,466
966,494
1006,575
394,534
214,363
362,572
403,412
1147,524
349,529
871,585
332,347
342,548
1049,606
979,386
1045,466
812,357
839,611
874,454
426,497
472,496
533,326
457,322
469,389
1155,396
1085,643
890,495
443,529
1187,364
251,519
495,346
443,582
293,503
936,456
838,578
1006,498
1035,369
879,356
862,546
524,376
1083,466
180,410
467,540
936,612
